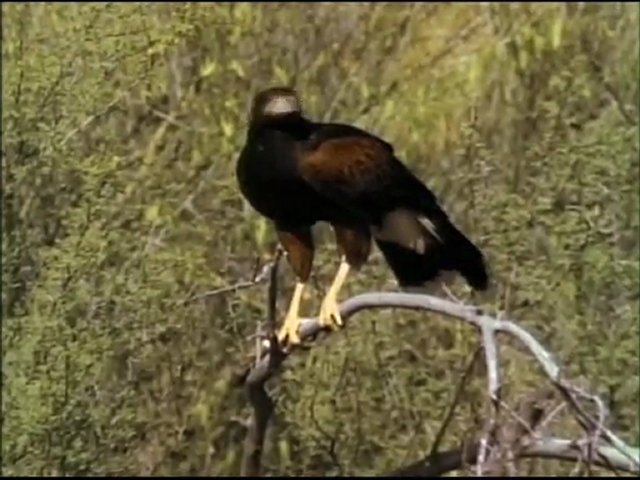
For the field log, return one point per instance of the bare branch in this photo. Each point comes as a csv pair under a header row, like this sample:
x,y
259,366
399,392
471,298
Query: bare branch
x,y
273,295
456,400
599,74
619,454
263,408
549,448
493,379
258,278
259,399
522,441
91,118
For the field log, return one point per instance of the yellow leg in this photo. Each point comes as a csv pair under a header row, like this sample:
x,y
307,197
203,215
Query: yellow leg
x,y
330,310
289,330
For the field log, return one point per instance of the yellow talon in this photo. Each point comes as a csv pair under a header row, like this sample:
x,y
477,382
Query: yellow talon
x,y
289,330
330,313
330,310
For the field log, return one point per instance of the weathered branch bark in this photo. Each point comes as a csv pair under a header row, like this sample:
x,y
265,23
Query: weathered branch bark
x,y
493,380
263,408
258,397
551,448
520,438
618,455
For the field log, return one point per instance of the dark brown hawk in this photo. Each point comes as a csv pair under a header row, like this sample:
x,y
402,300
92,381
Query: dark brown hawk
x,y
298,172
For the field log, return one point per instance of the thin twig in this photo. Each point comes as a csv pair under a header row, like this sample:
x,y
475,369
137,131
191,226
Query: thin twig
x,y
273,292
521,436
598,71
550,448
456,400
92,118
257,279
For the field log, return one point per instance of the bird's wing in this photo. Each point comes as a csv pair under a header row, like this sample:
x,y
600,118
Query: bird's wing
x,y
360,172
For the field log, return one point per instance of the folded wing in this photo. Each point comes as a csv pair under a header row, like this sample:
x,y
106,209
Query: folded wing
x,y
361,174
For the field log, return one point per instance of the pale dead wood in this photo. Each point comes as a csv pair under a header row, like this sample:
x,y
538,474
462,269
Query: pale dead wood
x,y
605,448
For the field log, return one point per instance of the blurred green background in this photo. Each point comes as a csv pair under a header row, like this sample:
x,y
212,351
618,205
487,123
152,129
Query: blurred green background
x,y
121,128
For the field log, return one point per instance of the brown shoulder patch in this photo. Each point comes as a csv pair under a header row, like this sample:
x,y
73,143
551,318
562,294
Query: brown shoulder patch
x,y
345,160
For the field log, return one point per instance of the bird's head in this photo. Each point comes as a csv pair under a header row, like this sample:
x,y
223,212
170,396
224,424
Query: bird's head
x,y
275,102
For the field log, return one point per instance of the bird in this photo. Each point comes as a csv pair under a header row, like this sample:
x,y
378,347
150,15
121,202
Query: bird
x,y
297,172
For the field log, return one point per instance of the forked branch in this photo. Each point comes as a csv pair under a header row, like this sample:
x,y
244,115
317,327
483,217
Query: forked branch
x,y
606,448
257,395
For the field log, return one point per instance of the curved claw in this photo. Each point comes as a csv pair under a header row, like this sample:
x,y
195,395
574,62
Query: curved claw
x,y
330,313
289,332
289,329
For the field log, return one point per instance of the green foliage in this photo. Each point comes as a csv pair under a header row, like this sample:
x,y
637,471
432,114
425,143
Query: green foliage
x,y
121,126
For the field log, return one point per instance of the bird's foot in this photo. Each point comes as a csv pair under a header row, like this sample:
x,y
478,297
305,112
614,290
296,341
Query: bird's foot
x,y
289,331
330,313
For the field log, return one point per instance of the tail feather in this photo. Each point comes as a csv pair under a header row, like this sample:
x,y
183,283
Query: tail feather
x,y
469,260
452,252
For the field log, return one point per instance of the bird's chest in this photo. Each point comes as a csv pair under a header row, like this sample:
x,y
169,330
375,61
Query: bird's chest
x,y
269,180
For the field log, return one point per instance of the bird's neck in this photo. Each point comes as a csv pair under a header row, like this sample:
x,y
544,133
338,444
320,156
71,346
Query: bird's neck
x,y
293,124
